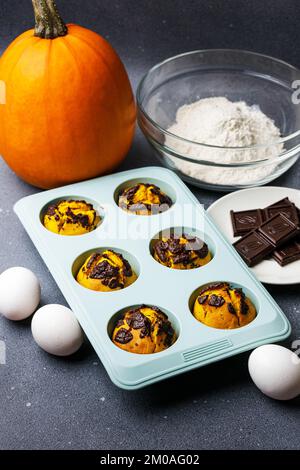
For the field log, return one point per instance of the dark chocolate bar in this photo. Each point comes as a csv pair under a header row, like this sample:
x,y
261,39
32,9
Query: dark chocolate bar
x,y
245,221
269,231
288,253
288,209
261,242
279,230
253,248
282,202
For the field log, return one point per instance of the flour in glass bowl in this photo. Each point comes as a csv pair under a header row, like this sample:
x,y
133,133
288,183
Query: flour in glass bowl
x,y
223,123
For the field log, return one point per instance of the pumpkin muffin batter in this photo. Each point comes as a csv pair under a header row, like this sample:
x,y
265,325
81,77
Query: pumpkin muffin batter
x,y
184,252
144,199
223,306
71,218
144,330
106,271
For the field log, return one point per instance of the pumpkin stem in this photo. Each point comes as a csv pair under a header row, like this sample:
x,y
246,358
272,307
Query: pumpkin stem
x,y
48,22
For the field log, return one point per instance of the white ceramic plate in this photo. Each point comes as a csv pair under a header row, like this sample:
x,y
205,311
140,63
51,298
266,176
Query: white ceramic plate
x,y
267,271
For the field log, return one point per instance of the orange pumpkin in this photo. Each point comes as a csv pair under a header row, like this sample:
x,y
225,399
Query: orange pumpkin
x,y
70,112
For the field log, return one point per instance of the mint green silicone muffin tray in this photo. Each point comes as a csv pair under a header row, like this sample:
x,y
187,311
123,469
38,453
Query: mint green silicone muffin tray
x,y
173,291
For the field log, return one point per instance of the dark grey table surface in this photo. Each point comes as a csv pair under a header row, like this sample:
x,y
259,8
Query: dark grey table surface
x,y
51,403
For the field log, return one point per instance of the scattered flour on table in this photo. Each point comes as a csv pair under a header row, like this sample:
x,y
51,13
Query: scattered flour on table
x,y
220,122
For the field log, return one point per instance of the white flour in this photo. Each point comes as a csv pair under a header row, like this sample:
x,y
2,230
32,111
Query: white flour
x,y
220,122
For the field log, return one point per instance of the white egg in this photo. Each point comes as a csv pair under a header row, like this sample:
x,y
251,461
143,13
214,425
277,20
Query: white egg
x,y
56,330
20,293
275,370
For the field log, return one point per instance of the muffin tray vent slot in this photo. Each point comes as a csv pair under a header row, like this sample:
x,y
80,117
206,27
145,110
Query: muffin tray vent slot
x,y
209,349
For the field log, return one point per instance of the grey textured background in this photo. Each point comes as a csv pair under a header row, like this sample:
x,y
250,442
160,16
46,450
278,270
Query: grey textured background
x,y
50,403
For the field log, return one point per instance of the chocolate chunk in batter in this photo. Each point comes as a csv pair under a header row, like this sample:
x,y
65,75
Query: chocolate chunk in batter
x,y
123,336
51,210
104,270
216,285
231,309
216,301
202,299
136,320
127,268
244,307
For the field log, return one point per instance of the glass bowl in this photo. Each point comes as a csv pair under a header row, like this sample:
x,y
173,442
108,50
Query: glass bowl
x,y
256,79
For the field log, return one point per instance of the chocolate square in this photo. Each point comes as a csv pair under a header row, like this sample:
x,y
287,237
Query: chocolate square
x,y
245,221
278,230
282,202
253,248
289,210
288,253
